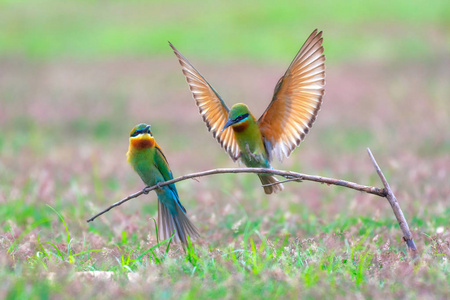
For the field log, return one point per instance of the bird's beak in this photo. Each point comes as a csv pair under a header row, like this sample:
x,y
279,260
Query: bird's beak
x,y
147,129
227,124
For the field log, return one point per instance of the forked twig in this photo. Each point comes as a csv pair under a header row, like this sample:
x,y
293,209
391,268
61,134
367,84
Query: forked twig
x,y
294,176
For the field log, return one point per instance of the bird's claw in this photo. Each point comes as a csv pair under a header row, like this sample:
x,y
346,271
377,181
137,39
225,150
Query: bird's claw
x,y
251,154
145,190
255,157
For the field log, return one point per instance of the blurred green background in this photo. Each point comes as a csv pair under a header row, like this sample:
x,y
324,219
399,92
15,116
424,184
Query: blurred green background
x,y
253,30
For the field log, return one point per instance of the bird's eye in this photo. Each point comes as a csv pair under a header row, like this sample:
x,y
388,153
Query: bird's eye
x,y
136,133
241,117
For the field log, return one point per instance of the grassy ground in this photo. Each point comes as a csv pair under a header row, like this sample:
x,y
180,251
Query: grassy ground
x,y
75,78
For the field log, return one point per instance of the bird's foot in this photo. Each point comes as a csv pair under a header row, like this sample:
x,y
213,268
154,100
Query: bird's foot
x,y
158,185
251,155
145,190
255,157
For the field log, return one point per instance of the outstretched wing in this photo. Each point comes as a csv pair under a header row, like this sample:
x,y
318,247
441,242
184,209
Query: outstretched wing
x,y
211,106
296,100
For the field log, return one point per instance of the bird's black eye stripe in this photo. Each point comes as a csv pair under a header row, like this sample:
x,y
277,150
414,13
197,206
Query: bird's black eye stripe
x,y
241,117
139,131
136,133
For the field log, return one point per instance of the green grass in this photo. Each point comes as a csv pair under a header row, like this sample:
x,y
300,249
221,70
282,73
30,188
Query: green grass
x,y
282,266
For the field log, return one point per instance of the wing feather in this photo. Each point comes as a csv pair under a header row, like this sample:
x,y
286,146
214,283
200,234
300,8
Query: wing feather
x,y
212,108
296,101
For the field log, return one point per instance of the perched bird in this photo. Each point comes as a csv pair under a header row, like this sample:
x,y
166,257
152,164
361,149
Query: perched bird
x,y
147,159
296,101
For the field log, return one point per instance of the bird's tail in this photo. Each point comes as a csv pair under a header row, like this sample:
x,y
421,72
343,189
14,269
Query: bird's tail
x,y
269,179
168,222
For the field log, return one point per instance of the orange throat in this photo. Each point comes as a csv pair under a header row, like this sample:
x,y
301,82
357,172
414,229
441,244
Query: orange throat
x,y
240,126
142,142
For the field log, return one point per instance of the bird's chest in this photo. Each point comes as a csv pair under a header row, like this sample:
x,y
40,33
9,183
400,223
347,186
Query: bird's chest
x,y
252,150
143,163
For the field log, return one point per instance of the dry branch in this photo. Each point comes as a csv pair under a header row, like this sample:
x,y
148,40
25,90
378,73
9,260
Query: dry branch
x,y
407,236
294,176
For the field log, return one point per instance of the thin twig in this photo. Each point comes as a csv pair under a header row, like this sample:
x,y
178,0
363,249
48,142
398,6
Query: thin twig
x,y
407,236
135,195
292,176
281,181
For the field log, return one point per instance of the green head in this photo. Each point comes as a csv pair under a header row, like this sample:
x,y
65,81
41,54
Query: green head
x,y
238,114
239,109
140,129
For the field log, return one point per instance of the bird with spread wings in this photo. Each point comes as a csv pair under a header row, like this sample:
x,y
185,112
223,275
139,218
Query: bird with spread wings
x,y
291,113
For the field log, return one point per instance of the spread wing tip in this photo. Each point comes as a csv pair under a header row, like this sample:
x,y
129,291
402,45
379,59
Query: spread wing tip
x,y
173,48
302,84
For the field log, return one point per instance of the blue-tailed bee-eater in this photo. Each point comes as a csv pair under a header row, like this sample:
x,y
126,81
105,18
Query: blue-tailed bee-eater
x,y
148,160
296,101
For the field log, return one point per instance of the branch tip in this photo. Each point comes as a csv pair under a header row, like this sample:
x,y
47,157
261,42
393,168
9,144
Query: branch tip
x,y
389,194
